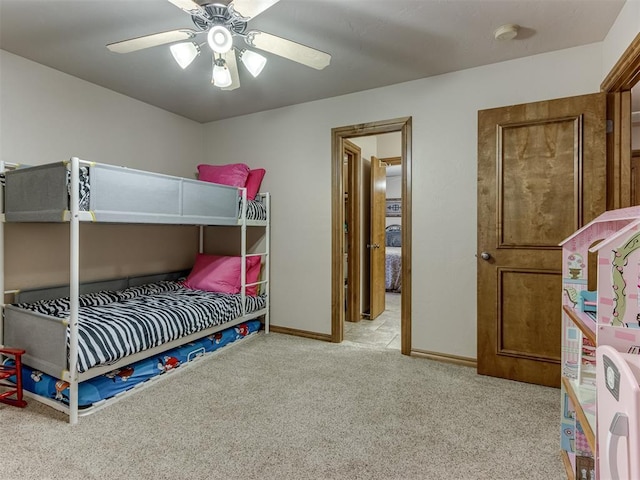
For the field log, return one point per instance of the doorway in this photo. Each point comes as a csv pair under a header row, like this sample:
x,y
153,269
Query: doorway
x,y
373,245
619,87
339,136
635,144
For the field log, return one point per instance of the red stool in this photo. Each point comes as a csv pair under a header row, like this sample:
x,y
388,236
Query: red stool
x,y
7,371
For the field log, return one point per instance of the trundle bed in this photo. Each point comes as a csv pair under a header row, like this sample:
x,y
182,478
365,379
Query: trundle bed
x,y
82,337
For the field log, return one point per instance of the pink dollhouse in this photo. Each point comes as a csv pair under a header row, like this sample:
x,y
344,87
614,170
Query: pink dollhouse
x,y
601,348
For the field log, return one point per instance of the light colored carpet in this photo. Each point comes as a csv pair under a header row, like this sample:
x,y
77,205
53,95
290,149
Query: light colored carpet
x,y
281,407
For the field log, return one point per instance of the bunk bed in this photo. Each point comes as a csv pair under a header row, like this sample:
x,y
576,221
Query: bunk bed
x,y
80,332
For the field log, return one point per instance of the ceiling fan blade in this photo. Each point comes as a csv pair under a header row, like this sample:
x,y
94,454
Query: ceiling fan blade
x,y
189,6
251,8
232,65
152,40
286,48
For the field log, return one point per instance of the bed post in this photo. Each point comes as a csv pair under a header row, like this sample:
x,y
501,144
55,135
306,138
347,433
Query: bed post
x,y
4,166
74,288
267,261
243,252
2,261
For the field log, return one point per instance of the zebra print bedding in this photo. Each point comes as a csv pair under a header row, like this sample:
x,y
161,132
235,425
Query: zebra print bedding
x,y
113,325
256,210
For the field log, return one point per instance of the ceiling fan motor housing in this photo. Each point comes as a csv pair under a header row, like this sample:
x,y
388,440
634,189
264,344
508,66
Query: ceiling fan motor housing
x,y
219,14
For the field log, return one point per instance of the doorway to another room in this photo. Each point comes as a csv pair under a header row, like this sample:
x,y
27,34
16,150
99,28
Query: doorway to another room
x,y
371,251
373,233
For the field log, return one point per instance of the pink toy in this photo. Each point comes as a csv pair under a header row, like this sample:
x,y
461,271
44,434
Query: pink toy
x,y
600,423
618,421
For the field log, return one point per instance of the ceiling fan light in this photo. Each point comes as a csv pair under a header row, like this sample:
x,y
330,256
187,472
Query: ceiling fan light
x,y
253,61
184,53
220,39
221,75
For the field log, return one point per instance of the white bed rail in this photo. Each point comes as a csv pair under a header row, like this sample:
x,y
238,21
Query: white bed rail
x,y
266,198
243,251
267,262
4,166
74,287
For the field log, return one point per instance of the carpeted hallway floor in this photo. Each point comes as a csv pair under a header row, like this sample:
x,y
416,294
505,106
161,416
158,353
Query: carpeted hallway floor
x,y
281,407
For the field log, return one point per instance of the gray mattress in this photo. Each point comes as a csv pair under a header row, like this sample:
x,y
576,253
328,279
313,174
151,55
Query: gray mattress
x,y
117,194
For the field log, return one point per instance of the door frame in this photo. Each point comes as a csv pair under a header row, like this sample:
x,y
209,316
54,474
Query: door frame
x,y
353,228
338,135
618,83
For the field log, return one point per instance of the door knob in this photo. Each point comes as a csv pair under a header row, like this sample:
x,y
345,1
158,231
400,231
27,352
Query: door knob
x,y
485,255
374,245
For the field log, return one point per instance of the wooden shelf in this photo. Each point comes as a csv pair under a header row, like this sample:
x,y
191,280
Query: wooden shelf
x,y
568,466
583,321
579,396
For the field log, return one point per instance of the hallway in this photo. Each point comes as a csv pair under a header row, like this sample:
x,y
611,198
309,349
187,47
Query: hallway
x,y
381,333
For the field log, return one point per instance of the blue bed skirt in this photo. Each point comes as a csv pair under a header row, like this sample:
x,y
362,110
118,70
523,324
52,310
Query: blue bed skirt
x,y
117,381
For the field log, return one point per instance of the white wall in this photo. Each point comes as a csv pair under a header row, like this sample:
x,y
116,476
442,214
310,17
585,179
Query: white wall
x,y
444,111
47,116
394,186
394,190
621,34
389,145
368,146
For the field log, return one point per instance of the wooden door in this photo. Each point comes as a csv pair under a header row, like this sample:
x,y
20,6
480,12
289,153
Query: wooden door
x,y
541,176
376,243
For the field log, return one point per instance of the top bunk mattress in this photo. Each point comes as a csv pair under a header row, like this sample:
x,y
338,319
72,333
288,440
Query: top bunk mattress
x,y
110,193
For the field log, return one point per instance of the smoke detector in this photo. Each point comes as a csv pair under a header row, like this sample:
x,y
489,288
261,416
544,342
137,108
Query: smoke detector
x,y
506,32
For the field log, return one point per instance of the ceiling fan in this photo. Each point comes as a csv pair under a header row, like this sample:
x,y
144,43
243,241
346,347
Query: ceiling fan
x,y
220,24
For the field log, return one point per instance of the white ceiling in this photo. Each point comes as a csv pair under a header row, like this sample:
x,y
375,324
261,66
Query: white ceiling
x,y
373,43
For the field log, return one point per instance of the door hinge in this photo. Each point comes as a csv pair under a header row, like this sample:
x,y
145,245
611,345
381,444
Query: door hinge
x,y
609,126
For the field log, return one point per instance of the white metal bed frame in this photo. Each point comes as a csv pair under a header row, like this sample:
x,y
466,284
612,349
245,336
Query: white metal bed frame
x,y
74,217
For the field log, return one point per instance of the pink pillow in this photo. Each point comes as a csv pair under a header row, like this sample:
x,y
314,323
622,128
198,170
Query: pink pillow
x,y
216,273
254,180
234,174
